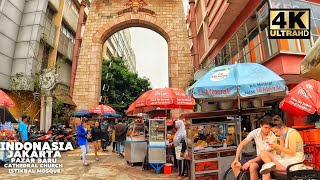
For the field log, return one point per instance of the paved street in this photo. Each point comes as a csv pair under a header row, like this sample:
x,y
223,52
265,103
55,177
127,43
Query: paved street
x,y
109,167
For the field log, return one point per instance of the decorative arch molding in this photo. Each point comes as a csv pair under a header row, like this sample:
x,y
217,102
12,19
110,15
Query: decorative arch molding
x,y
135,20
168,21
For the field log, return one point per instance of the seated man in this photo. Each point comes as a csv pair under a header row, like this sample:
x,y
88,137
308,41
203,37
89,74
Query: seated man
x,y
261,136
289,151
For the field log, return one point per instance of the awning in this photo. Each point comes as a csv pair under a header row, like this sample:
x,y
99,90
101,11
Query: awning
x,y
5,115
65,99
310,66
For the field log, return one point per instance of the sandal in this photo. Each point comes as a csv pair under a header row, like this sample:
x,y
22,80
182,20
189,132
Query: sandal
x,y
97,159
85,164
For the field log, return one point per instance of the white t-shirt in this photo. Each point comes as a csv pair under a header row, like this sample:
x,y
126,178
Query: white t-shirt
x,y
261,144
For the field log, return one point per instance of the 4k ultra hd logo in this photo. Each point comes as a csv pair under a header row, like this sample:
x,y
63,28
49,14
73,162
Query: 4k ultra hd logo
x,y
289,24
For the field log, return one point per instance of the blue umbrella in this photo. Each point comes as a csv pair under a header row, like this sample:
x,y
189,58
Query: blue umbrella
x,y
110,115
242,79
82,113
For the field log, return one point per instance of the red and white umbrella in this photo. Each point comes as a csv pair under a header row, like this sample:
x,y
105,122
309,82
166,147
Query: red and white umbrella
x,y
102,109
303,100
165,98
5,100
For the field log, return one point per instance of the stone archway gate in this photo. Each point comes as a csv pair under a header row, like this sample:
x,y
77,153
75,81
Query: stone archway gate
x,y
106,17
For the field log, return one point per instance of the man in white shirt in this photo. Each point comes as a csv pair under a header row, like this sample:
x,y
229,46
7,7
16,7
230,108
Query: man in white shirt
x,y
262,137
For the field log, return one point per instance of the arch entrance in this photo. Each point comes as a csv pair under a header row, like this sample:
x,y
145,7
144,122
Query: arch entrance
x,y
106,17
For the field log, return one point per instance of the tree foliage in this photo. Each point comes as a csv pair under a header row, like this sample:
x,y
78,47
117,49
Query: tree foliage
x,y
60,112
124,86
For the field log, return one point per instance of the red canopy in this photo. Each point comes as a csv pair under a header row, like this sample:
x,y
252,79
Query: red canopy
x,y
5,100
165,98
303,100
101,109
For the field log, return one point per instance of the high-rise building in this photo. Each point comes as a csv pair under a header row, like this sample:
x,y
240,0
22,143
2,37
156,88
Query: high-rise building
x,y
119,45
229,32
36,35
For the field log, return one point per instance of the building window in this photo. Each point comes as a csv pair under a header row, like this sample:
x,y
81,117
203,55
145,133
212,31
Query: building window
x,y
50,13
67,32
251,43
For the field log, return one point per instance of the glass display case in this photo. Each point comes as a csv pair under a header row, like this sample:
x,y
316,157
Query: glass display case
x,y
136,132
157,143
157,132
212,142
136,146
208,136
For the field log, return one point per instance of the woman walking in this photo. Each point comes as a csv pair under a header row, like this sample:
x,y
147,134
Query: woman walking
x,y
96,138
180,146
82,140
113,139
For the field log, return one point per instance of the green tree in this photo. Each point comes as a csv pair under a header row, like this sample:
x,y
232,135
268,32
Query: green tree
x,y
124,86
60,112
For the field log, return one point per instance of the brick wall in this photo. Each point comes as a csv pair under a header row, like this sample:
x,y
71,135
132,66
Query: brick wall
x,y
102,22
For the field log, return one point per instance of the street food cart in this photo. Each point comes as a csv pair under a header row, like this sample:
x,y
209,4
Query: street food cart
x,y
213,138
136,146
6,136
157,143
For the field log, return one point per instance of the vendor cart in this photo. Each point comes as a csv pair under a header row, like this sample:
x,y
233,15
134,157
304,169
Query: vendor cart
x,y
157,143
213,138
136,146
6,136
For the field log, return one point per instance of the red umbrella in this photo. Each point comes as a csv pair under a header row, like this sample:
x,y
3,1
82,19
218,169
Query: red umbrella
x,y
133,109
303,100
101,109
165,98
5,100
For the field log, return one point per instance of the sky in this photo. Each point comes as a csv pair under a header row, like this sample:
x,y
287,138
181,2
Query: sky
x,y
151,51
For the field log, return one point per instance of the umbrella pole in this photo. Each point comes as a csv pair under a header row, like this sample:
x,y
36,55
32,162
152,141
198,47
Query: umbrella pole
x,y
239,108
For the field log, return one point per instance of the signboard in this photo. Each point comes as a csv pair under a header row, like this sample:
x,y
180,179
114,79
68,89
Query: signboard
x,y
263,12
289,24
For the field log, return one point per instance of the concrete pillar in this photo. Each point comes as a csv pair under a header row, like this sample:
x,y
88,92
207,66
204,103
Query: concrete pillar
x,y
43,113
48,119
57,19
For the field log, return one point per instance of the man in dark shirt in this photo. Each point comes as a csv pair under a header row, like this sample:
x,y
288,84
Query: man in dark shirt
x,y
104,134
120,131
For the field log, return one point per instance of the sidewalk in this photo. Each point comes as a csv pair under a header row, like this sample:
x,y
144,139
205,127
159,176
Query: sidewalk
x,y
109,166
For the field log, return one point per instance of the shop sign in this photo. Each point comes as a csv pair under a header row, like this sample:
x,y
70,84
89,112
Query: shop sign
x,y
263,12
220,75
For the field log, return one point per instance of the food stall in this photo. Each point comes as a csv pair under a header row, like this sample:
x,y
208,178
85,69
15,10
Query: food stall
x,y
213,138
7,134
157,143
136,145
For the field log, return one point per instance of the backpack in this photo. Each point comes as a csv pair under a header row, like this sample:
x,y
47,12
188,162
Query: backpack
x,y
243,175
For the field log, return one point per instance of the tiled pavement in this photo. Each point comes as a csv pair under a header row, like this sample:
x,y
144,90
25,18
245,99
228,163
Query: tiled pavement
x,y
109,167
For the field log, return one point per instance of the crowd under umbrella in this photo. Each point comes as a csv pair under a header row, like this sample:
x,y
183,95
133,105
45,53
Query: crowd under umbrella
x,y
101,109
82,113
236,82
303,99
